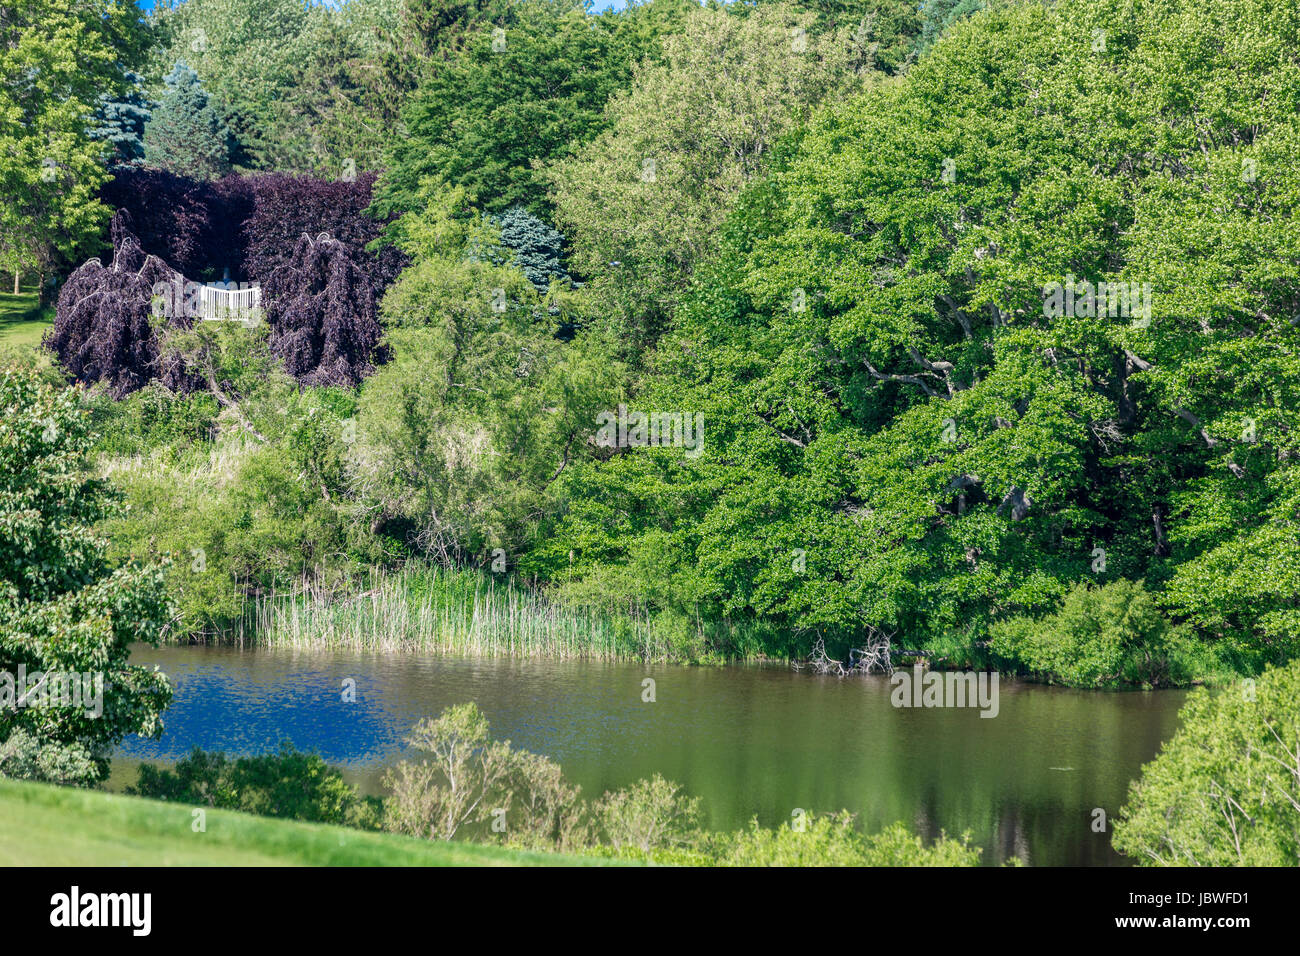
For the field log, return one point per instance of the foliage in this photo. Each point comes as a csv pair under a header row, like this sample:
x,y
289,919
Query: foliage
x,y
284,208
458,611
64,609
186,134
240,483
120,120
887,30
502,104
472,781
320,306
643,201
104,326
287,783
906,427
834,840
461,436
938,15
245,52
650,815
1108,636
1225,791
538,249
178,219
57,60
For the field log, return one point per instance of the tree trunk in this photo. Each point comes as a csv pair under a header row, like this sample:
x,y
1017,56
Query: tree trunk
x,y
16,275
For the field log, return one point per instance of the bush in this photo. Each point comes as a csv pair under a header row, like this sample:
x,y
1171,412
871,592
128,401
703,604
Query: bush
x,y
478,787
178,219
288,783
833,840
247,494
1107,636
649,815
104,327
1225,791
284,208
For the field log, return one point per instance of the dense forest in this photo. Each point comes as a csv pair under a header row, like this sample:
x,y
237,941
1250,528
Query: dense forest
x,y
987,321
966,329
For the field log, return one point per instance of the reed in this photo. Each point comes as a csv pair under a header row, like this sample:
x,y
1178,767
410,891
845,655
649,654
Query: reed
x,y
432,610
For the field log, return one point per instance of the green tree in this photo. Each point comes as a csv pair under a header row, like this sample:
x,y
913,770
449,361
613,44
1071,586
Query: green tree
x,y
538,249
938,15
885,30
1109,636
57,60
923,417
643,202
245,489
120,120
1225,791
65,613
247,53
186,134
462,435
519,93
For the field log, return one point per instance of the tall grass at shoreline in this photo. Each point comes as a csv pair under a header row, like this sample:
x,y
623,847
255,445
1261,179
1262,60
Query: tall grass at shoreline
x,y
464,612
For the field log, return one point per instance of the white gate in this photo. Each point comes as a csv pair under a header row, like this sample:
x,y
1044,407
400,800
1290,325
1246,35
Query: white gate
x,y
238,305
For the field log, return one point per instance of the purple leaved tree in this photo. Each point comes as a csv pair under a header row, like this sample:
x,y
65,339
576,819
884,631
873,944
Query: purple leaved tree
x,y
321,310
103,326
179,220
285,207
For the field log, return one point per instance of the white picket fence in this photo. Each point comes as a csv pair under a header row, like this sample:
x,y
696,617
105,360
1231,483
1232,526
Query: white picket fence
x,y
238,305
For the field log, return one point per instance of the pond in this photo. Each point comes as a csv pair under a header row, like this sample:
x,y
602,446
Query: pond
x,y
749,741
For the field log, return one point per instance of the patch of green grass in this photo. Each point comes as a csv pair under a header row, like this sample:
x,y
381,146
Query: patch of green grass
x,y
43,825
22,320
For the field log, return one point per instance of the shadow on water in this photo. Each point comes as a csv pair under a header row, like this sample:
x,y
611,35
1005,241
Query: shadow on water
x,y
749,741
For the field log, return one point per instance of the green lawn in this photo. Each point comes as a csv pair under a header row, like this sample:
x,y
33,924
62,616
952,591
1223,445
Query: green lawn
x,y
22,323
42,825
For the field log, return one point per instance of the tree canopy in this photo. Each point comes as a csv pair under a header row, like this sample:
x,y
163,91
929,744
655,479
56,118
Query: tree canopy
x,y
57,59
66,615
186,134
1021,320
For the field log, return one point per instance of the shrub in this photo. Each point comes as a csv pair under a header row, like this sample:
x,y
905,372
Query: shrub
x,y
1107,636
538,249
178,219
833,840
104,327
649,815
289,783
1225,791
477,786
283,208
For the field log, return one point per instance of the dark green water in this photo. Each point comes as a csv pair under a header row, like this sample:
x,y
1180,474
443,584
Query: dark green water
x,y
749,741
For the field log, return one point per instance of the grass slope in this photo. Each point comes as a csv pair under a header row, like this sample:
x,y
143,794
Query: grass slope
x,y
22,322
42,825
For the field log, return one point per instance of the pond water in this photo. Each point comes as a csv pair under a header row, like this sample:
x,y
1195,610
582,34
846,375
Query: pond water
x,y
749,741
